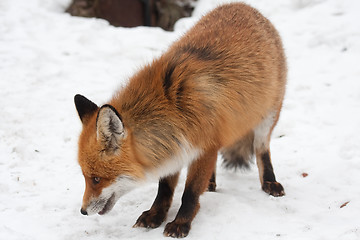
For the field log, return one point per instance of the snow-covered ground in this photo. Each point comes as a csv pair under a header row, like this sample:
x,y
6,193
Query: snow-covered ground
x,y
47,56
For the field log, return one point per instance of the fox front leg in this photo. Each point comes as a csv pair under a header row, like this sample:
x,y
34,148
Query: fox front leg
x,y
197,181
156,215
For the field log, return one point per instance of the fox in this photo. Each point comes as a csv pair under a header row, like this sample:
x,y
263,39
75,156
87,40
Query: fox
x,y
218,89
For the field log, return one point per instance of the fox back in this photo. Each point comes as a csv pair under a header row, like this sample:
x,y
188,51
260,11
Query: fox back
x,y
209,89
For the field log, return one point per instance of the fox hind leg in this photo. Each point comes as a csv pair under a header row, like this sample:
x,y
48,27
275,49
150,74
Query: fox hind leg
x,y
263,158
212,182
267,176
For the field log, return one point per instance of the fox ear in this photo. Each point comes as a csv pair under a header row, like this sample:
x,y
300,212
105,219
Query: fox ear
x,y
110,128
84,107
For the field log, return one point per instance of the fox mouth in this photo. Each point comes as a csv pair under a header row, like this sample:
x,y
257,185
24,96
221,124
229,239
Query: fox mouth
x,y
108,205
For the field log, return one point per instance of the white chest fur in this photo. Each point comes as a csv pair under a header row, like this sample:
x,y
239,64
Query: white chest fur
x,y
181,159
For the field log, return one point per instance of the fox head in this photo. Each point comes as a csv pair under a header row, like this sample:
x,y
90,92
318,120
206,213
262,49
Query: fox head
x,y
105,156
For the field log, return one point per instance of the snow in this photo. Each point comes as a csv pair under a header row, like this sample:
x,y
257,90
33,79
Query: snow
x,y
47,56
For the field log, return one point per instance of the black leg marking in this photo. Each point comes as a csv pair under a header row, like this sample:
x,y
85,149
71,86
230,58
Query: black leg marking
x,y
268,169
212,183
270,185
190,202
180,227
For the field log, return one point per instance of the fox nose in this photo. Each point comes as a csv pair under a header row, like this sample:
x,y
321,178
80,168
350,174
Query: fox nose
x,y
83,212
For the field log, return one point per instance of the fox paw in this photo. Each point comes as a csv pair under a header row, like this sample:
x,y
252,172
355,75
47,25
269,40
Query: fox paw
x,y
273,188
176,230
150,219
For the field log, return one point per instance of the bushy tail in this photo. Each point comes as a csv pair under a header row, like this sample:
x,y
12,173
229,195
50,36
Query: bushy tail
x,y
240,153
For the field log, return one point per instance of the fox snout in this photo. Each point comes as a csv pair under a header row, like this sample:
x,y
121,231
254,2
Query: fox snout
x,y
101,205
103,200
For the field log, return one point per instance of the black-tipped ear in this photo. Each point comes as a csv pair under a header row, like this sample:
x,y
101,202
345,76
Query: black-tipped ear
x,y
84,107
110,128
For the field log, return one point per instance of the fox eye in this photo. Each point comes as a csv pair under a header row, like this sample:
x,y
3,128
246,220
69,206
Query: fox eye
x,y
96,180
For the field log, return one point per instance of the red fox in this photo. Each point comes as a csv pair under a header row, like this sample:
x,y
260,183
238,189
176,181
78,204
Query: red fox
x,y
219,88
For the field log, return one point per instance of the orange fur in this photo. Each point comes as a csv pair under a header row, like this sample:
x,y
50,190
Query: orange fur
x,y
224,97
209,91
